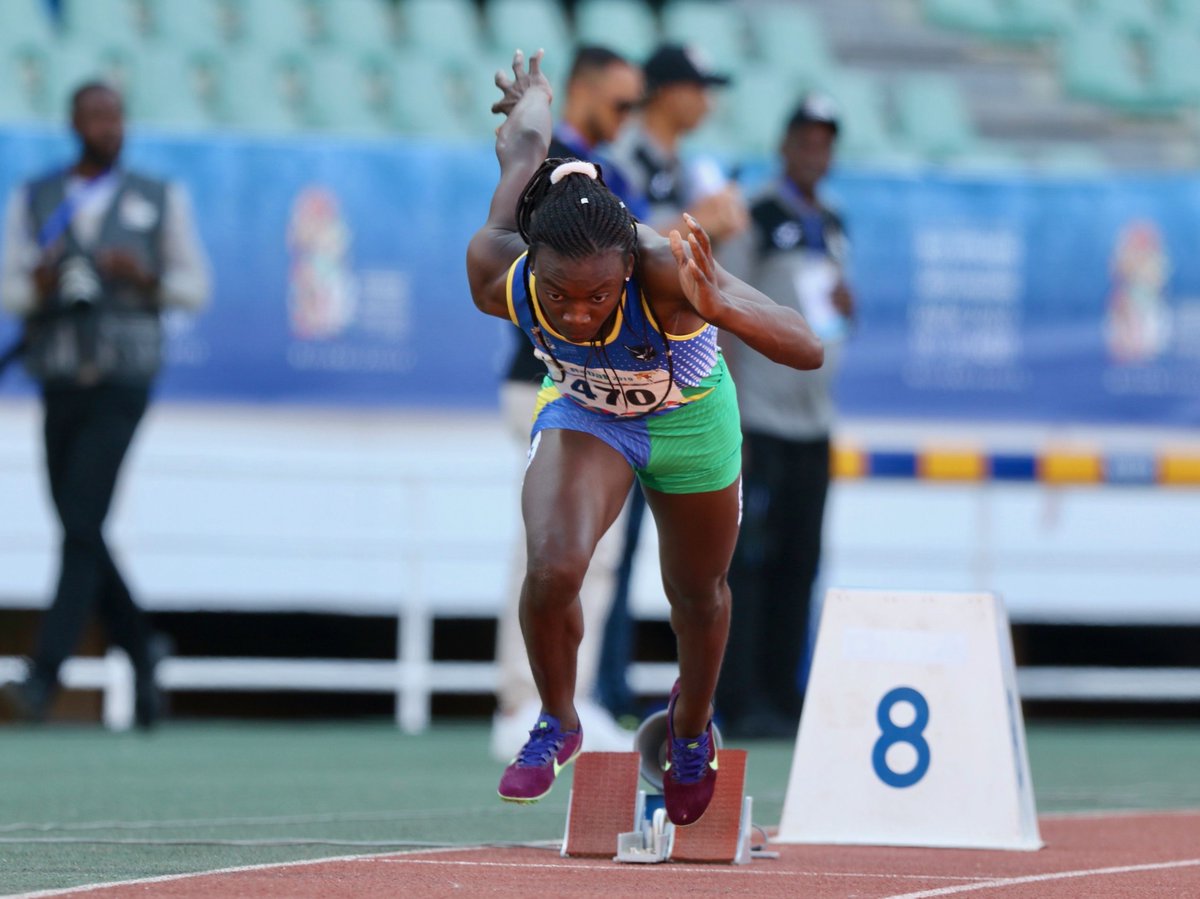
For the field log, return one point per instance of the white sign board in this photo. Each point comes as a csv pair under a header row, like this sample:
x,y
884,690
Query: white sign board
x,y
912,732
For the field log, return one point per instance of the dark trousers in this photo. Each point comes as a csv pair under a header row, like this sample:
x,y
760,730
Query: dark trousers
x,y
87,432
784,484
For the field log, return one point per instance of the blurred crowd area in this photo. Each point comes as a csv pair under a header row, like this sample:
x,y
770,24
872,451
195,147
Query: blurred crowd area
x,y
1058,85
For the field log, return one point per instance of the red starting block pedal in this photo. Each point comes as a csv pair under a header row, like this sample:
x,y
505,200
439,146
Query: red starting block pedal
x,y
603,804
723,832
607,813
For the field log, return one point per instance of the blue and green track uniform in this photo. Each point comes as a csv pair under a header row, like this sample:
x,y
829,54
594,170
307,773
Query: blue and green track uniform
x,y
676,425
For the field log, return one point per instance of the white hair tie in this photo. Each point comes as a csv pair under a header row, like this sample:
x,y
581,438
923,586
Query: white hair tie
x,y
574,167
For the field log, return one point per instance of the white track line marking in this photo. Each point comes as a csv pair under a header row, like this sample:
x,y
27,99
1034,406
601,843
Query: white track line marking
x,y
1043,878
239,869
675,866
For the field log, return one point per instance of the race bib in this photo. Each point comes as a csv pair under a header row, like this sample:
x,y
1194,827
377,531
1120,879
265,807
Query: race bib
x,y
616,392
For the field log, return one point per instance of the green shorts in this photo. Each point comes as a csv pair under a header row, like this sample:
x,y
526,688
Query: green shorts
x,y
693,448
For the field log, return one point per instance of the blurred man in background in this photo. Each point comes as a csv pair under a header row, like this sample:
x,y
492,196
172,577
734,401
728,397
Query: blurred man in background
x,y
602,90
795,251
678,100
92,255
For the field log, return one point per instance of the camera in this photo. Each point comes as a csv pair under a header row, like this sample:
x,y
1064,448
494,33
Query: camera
x,y
78,283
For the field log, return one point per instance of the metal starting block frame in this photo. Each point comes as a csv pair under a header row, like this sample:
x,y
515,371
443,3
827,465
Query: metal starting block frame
x,y
607,812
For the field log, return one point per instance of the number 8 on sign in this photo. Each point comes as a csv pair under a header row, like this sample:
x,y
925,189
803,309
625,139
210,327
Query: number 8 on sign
x,y
891,734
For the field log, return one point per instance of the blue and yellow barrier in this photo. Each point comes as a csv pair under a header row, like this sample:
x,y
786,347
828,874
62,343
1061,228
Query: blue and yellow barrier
x,y
1052,467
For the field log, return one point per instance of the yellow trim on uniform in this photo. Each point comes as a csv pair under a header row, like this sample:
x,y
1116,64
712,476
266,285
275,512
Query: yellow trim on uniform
x,y
1179,469
1070,468
848,462
653,320
508,288
952,465
537,308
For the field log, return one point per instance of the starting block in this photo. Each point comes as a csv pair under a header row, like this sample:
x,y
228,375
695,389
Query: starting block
x,y
607,813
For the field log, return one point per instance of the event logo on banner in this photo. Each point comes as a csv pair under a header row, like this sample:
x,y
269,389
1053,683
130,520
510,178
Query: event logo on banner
x,y
341,319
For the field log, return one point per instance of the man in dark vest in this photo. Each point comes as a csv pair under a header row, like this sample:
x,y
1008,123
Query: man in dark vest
x,y
92,255
795,251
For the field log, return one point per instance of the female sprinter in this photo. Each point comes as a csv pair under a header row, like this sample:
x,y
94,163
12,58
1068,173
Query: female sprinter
x,y
626,322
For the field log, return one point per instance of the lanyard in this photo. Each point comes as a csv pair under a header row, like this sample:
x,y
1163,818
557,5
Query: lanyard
x,y
59,221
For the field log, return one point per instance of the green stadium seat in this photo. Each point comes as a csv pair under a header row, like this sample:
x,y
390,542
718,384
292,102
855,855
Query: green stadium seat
x,y
627,26
24,70
23,22
342,95
716,29
428,99
1037,19
790,38
864,135
261,91
1071,159
933,118
1096,63
272,26
104,21
1182,14
447,29
1136,17
73,62
1174,76
359,24
974,16
169,88
529,25
761,98
196,23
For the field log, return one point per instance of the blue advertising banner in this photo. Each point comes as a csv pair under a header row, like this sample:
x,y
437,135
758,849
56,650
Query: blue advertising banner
x,y
1028,299
338,268
339,279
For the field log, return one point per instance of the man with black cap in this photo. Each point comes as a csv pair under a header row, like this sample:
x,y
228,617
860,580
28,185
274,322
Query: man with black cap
x,y
795,250
678,99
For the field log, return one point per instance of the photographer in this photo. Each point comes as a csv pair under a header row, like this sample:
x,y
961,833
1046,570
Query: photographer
x,y
92,254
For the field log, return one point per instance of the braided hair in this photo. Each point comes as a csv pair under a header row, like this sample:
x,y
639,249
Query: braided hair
x,y
577,217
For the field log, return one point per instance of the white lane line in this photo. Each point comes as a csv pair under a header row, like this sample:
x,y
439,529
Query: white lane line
x,y
239,869
676,866
1044,878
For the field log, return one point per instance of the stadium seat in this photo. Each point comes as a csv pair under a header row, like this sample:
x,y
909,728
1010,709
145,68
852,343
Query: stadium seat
x,y
1182,14
359,24
760,99
790,38
716,29
73,62
272,26
975,16
429,99
447,29
864,135
933,118
1096,63
1136,17
341,95
23,22
529,25
196,23
1037,19
1174,77
169,88
105,21
24,71
262,91
627,26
